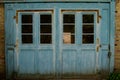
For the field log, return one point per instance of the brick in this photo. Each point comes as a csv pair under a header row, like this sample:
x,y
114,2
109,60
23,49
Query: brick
x,y
2,46
117,39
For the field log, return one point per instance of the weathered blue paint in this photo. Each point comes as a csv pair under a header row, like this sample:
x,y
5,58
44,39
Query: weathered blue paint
x,y
7,1
58,58
9,40
112,35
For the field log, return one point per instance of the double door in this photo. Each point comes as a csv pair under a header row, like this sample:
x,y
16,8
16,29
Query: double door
x,y
63,40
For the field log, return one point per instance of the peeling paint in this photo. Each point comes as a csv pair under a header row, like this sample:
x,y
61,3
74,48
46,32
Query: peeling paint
x,y
98,45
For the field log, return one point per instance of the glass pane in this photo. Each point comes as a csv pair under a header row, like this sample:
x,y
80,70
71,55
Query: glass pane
x,y
88,39
69,28
69,18
88,28
68,38
45,19
27,29
26,18
45,29
88,18
27,39
45,39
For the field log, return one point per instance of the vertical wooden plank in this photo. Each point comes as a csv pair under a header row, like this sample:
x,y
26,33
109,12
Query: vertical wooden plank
x,y
104,61
9,26
58,41
104,28
104,41
36,39
9,63
112,34
9,39
27,62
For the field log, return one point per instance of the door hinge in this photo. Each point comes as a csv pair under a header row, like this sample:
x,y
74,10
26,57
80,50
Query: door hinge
x,y
109,52
14,17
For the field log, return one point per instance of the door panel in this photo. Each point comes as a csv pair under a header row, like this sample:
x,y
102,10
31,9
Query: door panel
x,y
104,29
104,61
27,61
45,61
68,61
87,62
104,41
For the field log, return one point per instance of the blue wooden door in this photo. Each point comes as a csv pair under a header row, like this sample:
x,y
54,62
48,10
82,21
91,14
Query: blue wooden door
x,y
78,42
61,38
84,42
37,49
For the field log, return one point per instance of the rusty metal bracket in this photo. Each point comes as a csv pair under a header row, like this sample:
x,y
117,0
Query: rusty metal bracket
x,y
98,46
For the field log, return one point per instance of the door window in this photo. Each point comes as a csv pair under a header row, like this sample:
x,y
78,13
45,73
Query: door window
x,y
87,28
42,31
45,28
27,29
68,28
86,21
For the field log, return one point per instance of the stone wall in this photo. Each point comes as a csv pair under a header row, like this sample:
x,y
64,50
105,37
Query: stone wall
x,y
117,40
2,43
